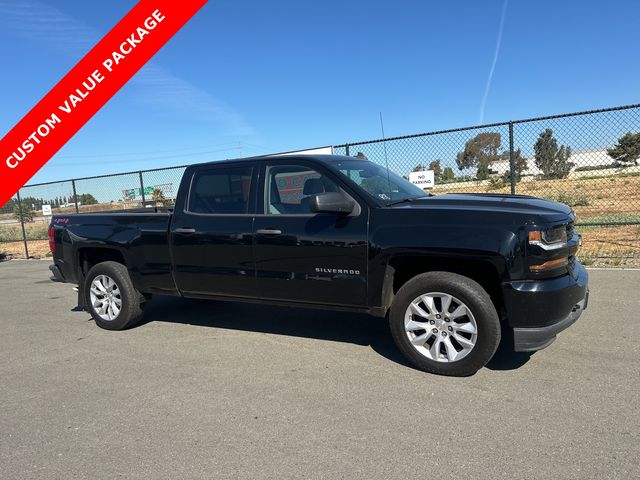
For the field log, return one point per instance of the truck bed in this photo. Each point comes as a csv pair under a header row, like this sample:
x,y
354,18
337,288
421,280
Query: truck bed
x,y
142,236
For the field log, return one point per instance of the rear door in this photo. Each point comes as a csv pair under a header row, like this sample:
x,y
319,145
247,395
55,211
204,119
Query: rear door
x,y
211,234
303,256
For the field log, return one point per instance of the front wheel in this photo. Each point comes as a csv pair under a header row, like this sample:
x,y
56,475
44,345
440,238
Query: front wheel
x,y
445,323
113,301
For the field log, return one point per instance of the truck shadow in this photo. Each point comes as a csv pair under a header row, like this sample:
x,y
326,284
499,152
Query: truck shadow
x,y
359,329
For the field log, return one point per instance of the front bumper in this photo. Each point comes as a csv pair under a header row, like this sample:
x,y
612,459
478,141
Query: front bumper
x,y
537,338
538,310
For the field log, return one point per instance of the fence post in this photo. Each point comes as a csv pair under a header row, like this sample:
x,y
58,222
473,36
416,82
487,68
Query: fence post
x,y
24,234
512,167
346,149
75,195
141,188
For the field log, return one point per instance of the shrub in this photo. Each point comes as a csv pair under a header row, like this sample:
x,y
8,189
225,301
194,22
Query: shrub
x,y
581,201
577,200
23,214
496,183
588,168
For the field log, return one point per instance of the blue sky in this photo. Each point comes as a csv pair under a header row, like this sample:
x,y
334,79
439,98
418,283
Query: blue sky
x,y
283,75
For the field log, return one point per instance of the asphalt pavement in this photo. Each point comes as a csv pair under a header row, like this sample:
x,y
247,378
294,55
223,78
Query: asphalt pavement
x,y
229,391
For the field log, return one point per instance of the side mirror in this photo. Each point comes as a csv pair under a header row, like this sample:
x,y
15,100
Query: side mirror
x,y
331,202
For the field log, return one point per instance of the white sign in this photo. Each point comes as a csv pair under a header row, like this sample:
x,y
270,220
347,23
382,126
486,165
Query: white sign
x,y
423,178
46,210
310,151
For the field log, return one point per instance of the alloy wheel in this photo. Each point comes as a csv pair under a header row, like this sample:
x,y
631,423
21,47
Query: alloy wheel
x,y
105,297
441,327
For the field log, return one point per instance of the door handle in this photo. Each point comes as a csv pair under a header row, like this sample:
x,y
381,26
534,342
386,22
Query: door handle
x,y
185,230
268,231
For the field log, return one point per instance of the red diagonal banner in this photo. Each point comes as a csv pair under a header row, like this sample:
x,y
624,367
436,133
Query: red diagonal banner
x,y
87,87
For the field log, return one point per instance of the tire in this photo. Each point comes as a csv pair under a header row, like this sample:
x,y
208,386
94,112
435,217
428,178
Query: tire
x,y
469,309
129,299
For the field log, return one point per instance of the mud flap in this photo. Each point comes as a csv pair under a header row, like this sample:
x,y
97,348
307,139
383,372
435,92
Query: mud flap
x,y
82,297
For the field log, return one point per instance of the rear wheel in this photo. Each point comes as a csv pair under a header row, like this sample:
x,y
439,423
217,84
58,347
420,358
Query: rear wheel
x,y
445,323
113,301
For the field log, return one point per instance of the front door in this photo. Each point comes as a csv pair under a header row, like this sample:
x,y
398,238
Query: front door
x,y
303,256
212,235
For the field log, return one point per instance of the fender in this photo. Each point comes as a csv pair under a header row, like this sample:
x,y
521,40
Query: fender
x,y
421,248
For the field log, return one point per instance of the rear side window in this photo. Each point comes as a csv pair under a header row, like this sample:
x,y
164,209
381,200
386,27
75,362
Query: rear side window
x,y
221,191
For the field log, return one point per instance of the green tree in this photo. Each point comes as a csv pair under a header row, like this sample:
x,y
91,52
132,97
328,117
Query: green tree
x,y
158,196
24,214
553,161
479,153
447,174
9,207
437,170
87,199
520,165
627,150
418,168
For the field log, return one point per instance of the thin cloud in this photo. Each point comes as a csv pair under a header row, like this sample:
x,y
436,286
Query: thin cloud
x,y
496,53
46,24
164,88
158,87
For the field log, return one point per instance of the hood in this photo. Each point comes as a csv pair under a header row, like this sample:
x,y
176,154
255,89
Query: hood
x,y
532,208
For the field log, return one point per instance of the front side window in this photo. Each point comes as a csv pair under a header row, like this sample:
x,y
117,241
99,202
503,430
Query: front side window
x,y
288,188
221,191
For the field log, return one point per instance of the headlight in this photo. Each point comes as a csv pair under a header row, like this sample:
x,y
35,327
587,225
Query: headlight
x,y
549,239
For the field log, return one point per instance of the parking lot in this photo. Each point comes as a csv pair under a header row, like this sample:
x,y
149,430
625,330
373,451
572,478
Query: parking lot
x,y
224,390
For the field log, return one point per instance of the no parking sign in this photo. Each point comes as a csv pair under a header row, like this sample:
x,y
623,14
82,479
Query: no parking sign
x,y
423,178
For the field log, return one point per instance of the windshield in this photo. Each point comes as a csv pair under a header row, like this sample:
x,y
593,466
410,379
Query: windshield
x,y
378,181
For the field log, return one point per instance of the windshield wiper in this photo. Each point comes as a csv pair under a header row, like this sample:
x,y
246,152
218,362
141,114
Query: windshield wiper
x,y
406,200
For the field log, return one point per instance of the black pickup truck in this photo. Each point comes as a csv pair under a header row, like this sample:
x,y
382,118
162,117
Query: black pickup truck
x,y
453,273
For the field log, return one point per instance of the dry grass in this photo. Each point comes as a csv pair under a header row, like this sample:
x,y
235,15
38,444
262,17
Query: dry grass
x,y
606,196
610,246
595,200
13,231
37,249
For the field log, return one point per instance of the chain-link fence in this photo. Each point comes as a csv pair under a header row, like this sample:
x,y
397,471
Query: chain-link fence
x,y
588,160
24,220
